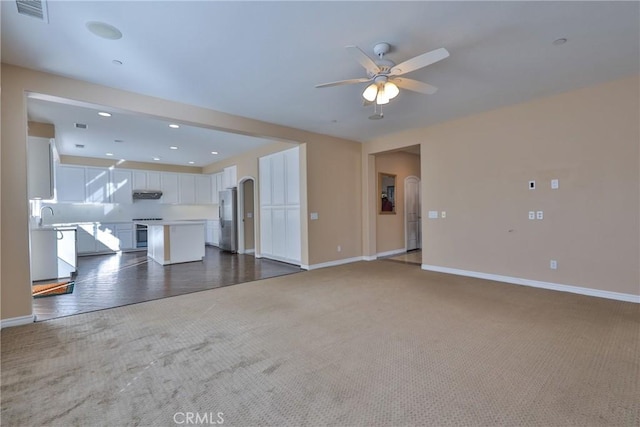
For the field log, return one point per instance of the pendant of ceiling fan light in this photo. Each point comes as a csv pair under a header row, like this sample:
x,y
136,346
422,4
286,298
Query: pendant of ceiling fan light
x,y
370,92
382,98
391,90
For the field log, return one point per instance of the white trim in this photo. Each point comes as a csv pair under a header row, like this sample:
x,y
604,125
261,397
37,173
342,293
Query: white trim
x,y
17,321
537,284
393,252
250,251
369,258
332,263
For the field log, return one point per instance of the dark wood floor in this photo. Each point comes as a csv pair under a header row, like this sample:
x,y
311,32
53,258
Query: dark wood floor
x,y
106,281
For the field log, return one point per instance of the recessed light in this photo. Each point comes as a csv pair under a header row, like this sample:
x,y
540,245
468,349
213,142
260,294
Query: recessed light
x,y
116,62
104,114
173,147
156,158
104,30
214,152
191,163
174,126
109,154
559,42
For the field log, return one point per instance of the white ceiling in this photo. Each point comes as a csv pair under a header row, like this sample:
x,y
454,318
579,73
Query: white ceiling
x,y
133,137
262,59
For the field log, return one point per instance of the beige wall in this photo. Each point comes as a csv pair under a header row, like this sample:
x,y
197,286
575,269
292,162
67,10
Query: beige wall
x,y
334,188
41,130
317,150
390,227
477,169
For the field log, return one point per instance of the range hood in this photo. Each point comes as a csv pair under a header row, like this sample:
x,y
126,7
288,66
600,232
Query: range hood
x,y
146,194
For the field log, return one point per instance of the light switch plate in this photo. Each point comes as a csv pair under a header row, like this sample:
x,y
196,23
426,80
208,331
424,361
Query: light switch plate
x,y
314,216
532,215
555,184
433,214
539,215
553,264
443,214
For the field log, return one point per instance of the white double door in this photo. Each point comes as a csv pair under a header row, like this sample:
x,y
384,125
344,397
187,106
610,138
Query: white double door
x,y
280,206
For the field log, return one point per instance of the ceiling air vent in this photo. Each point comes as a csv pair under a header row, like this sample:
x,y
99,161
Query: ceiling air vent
x,y
34,8
79,145
80,126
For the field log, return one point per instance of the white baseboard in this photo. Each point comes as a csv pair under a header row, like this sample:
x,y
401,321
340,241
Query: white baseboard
x,y
537,284
332,263
17,321
250,251
393,252
370,258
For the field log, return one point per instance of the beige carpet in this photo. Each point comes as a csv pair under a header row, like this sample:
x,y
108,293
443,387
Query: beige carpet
x,y
366,344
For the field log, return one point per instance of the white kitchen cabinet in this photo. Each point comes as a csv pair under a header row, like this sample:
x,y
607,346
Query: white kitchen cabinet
x,y
187,189
98,185
216,184
153,181
39,168
70,184
212,232
203,189
121,186
230,177
170,187
86,239
140,180
124,235
44,258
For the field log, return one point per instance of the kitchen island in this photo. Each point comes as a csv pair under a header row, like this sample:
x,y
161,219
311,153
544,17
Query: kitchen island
x,y
172,242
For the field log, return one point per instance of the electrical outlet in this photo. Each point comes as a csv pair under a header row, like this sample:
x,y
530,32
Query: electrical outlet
x,y
553,264
532,215
539,215
443,214
314,216
433,214
555,184
532,185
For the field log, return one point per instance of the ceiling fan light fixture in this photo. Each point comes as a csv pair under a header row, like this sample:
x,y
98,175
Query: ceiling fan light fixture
x,y
391,90
370,92
382,97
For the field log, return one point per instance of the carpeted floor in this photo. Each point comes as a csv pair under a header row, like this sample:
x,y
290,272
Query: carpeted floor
x,y
365,344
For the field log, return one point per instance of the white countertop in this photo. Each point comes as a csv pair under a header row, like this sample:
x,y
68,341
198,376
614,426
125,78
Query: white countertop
x,y
174,222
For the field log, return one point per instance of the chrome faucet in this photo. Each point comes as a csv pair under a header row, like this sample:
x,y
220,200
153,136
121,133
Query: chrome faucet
x,y
42,209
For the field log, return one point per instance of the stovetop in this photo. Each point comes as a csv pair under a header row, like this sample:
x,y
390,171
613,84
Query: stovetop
x,y
146,219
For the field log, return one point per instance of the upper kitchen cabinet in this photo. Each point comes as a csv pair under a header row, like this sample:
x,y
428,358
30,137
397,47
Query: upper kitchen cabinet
x,y
121,186
98,185
39,168
187,189
146,180
230,177
170,187
70,184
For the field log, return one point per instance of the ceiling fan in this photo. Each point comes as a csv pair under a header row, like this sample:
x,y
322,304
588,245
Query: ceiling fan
x,y
384,74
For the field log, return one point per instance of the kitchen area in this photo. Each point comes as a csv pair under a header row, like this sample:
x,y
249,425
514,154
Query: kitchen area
x,y
125,235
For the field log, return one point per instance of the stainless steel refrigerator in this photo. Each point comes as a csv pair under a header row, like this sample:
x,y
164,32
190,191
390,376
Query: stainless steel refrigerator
x,y
227,208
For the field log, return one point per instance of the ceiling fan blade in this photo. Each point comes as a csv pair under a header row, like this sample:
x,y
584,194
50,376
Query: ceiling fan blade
x,y
419,62
345,82
415,86
364,60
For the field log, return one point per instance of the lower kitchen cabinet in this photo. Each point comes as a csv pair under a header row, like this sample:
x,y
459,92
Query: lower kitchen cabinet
x,y
97,238
212,232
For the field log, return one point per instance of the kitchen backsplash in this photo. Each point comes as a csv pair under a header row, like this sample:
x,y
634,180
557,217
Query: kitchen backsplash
x,y
113,212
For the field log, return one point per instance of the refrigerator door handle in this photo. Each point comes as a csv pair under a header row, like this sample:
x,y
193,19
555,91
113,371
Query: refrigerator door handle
x,y
220,210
